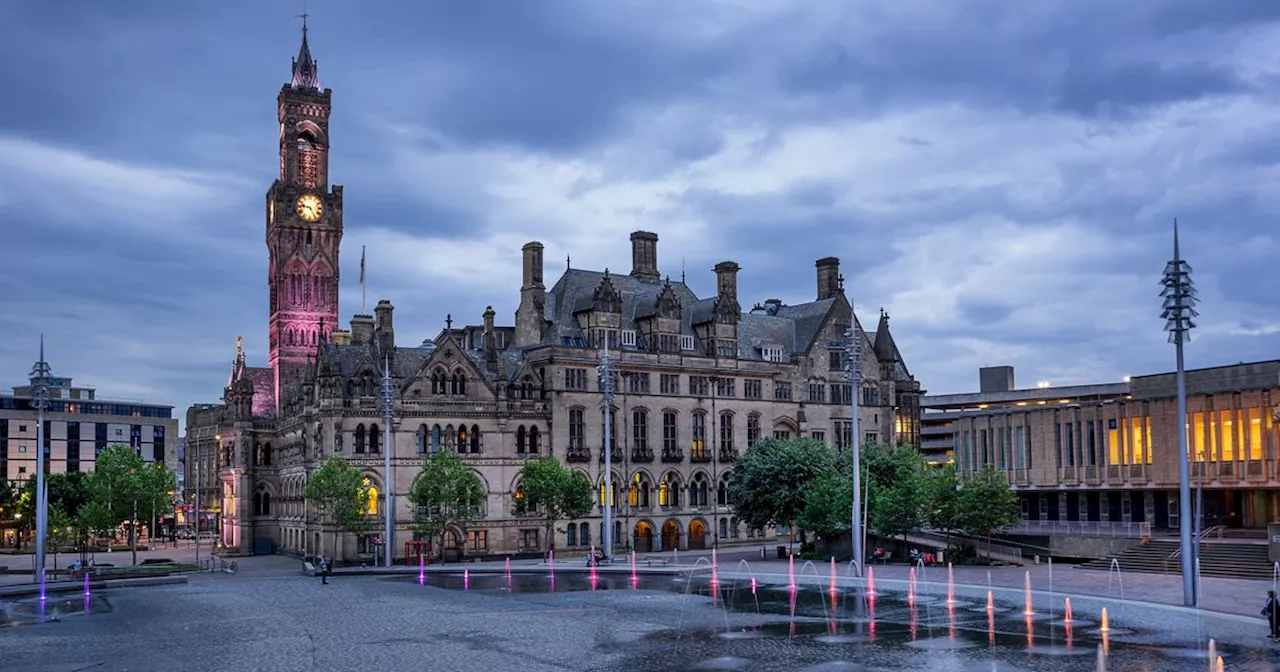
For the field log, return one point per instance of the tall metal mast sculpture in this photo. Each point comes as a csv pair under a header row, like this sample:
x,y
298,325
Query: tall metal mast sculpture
x,y
1179,308
389,513
607,388
40,375
853,368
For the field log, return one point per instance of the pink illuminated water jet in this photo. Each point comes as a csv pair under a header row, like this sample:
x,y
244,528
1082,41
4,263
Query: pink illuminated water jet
x,y
991,604
871,582
1066,618
791,572
551,562
422,569
1029,611
507,568
715,575
753,585
911,586
466,579
86,584
951,586
1105,627
833,576
635,578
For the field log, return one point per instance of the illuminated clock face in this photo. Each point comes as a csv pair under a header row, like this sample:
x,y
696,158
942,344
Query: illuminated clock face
x,y
310,207
271,211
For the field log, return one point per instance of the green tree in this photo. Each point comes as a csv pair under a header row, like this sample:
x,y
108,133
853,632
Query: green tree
x,y
119,481
942,501
445,493
8,499
987,504
161,485
555,491
895,488
827,511
62,531
340,491
772,480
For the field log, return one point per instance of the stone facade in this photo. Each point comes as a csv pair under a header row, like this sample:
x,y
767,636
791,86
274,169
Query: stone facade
x,y
699,379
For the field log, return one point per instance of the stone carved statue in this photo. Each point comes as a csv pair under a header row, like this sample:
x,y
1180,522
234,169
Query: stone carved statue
x,y
337,437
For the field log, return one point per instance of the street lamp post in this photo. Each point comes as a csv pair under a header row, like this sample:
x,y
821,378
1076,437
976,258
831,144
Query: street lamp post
x,y
607,388
1179,308
388,405
40,399
853,369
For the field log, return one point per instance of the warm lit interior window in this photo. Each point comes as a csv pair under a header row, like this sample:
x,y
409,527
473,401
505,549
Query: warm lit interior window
x,y
1138,453
1226,435
1113,447
1255,433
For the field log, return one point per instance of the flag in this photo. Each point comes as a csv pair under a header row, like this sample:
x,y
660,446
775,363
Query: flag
x,y
362,264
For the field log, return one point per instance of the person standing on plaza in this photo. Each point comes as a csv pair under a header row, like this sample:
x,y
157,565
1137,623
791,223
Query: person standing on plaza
x,y
1272,612
324,570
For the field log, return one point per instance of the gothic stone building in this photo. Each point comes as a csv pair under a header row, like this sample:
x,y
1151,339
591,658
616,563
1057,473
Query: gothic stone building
x,y
698,381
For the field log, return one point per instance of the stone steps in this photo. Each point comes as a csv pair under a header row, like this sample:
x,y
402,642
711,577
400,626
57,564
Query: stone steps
x,y
1225,560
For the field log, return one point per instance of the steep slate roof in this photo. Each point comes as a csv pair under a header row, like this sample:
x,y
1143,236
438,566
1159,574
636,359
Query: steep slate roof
x,y
264,387
793,328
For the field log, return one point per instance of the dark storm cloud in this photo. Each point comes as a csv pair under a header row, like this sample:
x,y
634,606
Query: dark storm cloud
x,y
1008,195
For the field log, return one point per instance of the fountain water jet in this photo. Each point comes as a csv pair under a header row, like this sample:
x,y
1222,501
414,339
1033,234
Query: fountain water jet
x,y
422,572
753,585
871,582
791,572
635,578
991,604
715,576
911,587
1221,666
466,579
86,584
507,569
1102,660
1029,611
951,586
833,578
1106,627
1213,654
1066,615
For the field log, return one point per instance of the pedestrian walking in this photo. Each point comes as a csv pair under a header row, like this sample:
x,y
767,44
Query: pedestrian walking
x,y
324,571
1272,612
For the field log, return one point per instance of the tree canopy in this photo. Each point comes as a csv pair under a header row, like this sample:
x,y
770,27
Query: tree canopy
x,y
554,490
120,486
340,491
772,480
445,493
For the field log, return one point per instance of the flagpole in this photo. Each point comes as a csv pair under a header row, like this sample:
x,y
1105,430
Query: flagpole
x,y
362,287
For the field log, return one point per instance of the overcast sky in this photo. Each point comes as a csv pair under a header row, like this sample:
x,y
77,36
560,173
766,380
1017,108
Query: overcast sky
x,y
1001,176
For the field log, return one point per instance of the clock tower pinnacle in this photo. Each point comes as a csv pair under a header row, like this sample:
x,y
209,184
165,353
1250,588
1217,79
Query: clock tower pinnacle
x,y
304,227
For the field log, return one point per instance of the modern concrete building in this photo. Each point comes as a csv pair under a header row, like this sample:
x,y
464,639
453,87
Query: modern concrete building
x,y
1091,457
78,426
700,380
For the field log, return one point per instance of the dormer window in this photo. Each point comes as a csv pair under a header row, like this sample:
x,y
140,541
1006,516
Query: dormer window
x,y
686,343
772,354
628,338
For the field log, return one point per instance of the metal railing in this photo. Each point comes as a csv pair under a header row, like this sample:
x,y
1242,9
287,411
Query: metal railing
x,y
1100,529
980,545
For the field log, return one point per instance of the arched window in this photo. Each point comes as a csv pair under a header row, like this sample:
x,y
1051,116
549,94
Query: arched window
x,y
698,490
475,439
462,383
520,440
724,528
450,437
722,491
435,439
640,431
753,429
639,492
435,383
726,433
612,494
571,534
422,439
584,535
698,448
462,439
669,490
375,438
577,431
733,528
533,440
518,501
359,438
371,498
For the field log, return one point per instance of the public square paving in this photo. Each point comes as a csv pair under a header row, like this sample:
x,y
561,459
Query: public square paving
x,y
269,617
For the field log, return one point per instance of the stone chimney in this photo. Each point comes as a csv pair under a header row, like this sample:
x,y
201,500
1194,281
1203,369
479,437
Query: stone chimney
x,y
362,327
384,331
727,280
489,337
530,319
829,280
644,256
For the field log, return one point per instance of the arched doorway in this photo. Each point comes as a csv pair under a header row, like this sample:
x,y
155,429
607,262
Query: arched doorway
x,y
643,537
697,534
452,549
670,535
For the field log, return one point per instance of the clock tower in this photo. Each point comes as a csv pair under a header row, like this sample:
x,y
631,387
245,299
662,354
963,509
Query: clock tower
x,y
304,227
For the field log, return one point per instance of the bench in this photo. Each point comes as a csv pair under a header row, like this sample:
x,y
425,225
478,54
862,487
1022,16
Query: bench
x,y
660,562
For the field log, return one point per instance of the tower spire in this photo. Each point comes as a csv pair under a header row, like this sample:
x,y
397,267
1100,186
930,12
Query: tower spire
x,y
306,74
